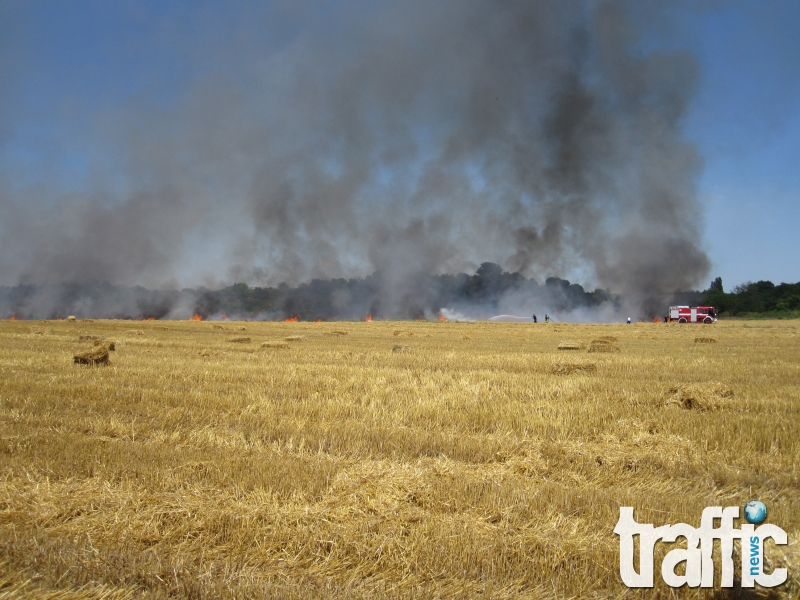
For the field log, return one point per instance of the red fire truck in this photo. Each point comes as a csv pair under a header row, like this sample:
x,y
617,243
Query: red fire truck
x,y
692,314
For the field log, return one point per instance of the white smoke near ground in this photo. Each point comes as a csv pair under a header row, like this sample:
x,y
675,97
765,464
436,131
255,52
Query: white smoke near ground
x,y
454,315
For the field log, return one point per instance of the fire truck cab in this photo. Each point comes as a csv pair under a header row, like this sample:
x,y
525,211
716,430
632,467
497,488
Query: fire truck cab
x,y
692,314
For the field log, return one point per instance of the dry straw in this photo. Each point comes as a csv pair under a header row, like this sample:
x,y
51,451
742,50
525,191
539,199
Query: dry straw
x,y
217,327
91,338
240,328
704,340
108,344
703,397
566,368
567,345
402,348
602,346
296,338
275,344
335,333
240,340
94,356
134,332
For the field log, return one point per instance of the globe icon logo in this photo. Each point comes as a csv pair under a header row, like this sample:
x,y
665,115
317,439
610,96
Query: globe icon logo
x,y
755,512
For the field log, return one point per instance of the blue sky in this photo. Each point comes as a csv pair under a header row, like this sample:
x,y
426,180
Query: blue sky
x,y
745,121
66,67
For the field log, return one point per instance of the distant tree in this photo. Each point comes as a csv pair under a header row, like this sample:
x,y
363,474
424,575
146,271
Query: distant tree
x,y
716,285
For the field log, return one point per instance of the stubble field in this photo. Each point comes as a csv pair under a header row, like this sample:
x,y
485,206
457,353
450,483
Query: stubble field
x,y
391,459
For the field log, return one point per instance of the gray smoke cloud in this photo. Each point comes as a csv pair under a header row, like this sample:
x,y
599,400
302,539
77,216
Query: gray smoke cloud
x,y
316,140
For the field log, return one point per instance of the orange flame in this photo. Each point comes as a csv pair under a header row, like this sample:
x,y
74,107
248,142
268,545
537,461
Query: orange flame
x,y
317,320
369,318
196,317
442,319
12,318
224,317
656,320
150,319
293,319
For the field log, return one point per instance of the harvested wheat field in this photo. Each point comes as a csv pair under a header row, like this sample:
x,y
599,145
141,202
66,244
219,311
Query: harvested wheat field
x,y
483,462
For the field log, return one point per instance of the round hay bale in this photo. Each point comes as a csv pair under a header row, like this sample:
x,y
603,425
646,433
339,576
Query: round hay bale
x,y
296,338
90,338
605,347
275,344
567,345
704,340
94,356
240,340
71,318
402,348
111,346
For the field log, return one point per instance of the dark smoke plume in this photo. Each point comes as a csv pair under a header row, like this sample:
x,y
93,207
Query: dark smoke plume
x,y
410,138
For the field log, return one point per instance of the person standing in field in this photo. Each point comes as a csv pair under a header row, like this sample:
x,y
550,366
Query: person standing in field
x,y
629,320
546,318
534,319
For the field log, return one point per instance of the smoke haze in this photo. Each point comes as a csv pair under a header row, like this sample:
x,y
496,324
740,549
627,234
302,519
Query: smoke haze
x,y
324,140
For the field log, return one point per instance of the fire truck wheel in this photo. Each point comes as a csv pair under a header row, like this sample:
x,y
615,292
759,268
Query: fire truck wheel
x,y
707,321
682,320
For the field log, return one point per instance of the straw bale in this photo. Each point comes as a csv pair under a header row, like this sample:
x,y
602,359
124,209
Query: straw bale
x,y
240,340
94,356
704,340
90,338
110,345
569,345
600,341
217,327
275,344
702,397
240,328
402,348
466,337
565,368
603,347
296,338
71,318
335,333
205,352
608,338
403,333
